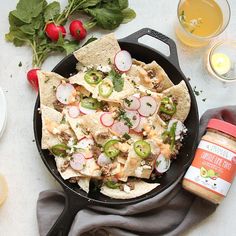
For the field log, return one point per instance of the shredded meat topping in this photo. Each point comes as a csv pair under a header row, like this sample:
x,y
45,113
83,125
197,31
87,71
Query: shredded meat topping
x,y
65,136
165,116
58,106
65,166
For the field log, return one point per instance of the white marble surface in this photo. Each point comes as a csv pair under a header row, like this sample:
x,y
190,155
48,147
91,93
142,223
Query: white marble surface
x,y
19,159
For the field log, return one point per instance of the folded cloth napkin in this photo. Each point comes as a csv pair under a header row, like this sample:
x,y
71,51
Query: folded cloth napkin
x,y
170,213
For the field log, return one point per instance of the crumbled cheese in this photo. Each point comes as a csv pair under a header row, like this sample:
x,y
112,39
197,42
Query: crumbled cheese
x,y
127,189
104,69
142,163
55,131
147,167
139,171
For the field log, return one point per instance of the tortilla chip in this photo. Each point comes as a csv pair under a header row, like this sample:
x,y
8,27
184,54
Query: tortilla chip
x,y
180,92
48,81
98,52
92,122
79,79
139,75
49,115
84,183
91,168
75,125
161,75
140,188
128,88
69,172
134,166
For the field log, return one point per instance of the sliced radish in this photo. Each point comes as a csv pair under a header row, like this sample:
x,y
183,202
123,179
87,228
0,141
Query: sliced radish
x,y
137,95
73,111
162,164
148,106
86,111
65,93
141,124
88,154
85,143
120,128
77,161
132,103
134,118
103,160
107,119
123,61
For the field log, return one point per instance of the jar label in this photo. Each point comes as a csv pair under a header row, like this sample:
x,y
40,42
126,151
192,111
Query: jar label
x,y
212,167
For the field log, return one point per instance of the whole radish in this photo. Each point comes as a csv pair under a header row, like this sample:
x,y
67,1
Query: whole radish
x,y
53,31
32,77
77,30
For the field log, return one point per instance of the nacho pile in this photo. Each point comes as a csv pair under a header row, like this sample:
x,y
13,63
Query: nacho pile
x,y
116,128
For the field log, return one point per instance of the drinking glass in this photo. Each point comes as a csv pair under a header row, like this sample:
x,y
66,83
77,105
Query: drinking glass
x,y
194,40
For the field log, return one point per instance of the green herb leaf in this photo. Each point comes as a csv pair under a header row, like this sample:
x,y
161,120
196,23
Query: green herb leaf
x,y
128,15
51,11
117,80
26,10
106,18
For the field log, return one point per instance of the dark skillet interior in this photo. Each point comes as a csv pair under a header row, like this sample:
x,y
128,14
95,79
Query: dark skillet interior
x,y
146,54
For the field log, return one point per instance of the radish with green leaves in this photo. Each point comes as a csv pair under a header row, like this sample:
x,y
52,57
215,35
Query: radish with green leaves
x,y
77,30
32,77
53,31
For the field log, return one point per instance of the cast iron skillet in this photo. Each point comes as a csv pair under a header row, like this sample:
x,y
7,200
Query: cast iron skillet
x,y
76,198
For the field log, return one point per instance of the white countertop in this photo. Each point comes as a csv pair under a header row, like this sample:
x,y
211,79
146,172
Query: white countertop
x,y
19,159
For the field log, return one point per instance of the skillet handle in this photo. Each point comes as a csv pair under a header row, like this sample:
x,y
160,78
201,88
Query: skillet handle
x,y
72,205
133,38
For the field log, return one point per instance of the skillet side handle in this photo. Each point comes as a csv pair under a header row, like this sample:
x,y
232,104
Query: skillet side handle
x,y
63,224
173,58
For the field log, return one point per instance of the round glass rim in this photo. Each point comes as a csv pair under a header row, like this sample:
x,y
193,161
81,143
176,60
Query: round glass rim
x,y
208,37
210,64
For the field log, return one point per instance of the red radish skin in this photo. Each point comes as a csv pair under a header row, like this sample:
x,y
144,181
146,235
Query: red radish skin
x,y
134,118
123,61
65,93
140,127
77,30
148,106
53,31
106,119
73,111
120,128
77,161
132,103
32,77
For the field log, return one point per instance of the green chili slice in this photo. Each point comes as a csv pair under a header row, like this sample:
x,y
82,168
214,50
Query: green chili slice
x,y
93,77
110,150
90,103
60,150
112,184
167,106
142,148
105,89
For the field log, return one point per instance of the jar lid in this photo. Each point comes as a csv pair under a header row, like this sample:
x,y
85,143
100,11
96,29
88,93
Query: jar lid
x,y
223,126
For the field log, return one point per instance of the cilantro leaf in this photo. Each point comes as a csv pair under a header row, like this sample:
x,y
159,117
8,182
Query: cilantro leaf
x,y
117,80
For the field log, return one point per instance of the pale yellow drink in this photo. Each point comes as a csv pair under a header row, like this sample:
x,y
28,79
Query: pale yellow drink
x,y
199,20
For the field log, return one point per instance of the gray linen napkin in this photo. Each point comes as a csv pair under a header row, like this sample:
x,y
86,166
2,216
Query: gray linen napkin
x,y
170,213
